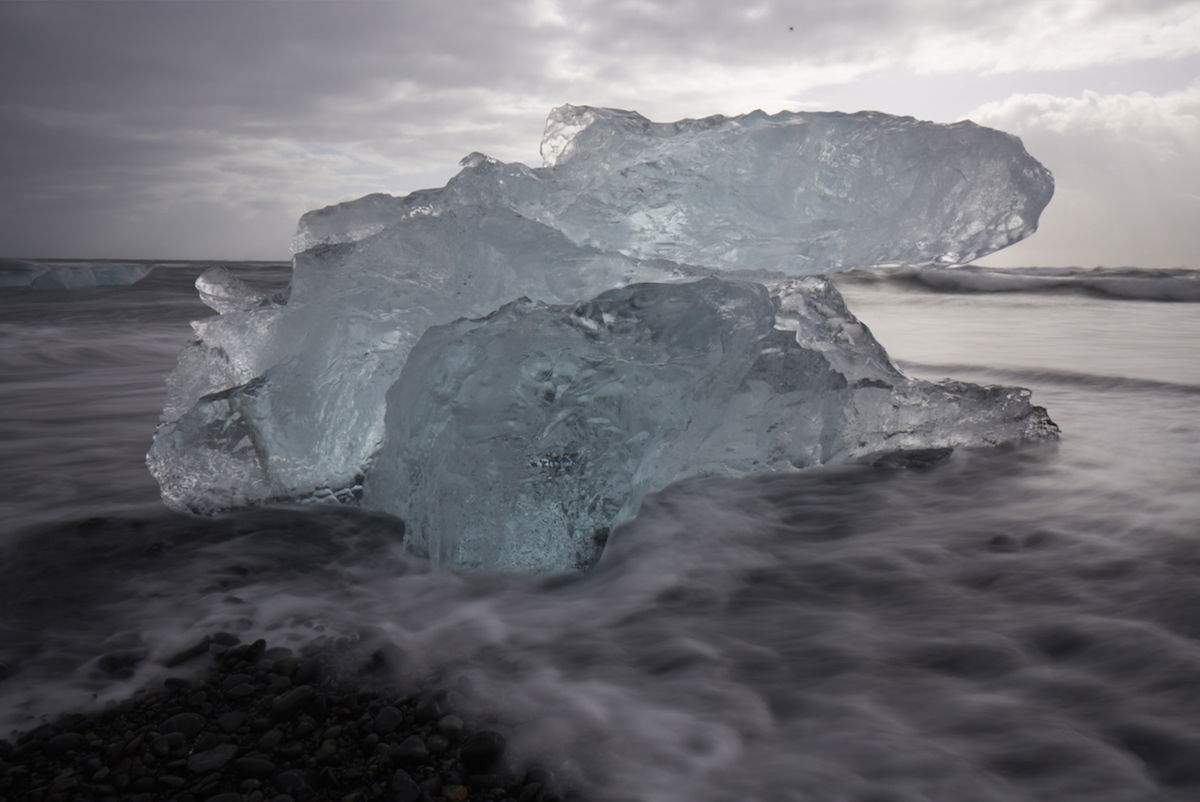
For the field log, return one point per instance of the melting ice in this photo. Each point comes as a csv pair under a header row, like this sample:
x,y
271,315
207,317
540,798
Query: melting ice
x,y
511,362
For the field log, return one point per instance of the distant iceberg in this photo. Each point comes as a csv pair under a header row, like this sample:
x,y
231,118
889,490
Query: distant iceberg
x,y
723,358
43,275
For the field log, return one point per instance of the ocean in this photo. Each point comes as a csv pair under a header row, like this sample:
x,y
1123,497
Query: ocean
x,y
1010,624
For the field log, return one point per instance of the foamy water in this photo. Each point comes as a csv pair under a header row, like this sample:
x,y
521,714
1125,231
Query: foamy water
x,y
1006,625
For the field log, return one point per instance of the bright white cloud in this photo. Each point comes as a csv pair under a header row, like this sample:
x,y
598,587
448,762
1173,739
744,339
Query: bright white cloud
x,y
1053,35
1126,166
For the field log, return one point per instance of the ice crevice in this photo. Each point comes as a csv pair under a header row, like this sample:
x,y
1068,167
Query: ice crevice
x,y
513,361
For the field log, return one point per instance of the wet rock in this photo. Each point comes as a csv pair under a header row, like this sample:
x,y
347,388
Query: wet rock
x,y
482,751
254,766
450,727
171,781
191,652
270,739
120,664
231,721
411,750
403,788
211,759
65,742
291,781
186,724
326,751
290,704
387,720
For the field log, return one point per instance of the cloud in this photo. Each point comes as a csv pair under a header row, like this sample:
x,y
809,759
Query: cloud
x,y
1126,167
213,108
1054,35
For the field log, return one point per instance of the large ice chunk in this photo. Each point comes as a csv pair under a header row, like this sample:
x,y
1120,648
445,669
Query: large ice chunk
x,y
280,401
517,441
804,193
284,398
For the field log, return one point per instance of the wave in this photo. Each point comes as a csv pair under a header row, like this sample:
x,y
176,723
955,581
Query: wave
x,y
1178,285
1026,377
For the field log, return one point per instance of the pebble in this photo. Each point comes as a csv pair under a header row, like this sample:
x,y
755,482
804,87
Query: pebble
x,y
203,740
291,781
403,787
211,759
326,751
292,703
387,719
482,750
254,766
231,721
410,750
270,739
193,651
450,726
65,742
186,724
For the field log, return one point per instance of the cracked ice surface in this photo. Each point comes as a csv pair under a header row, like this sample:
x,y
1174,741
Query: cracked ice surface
x,y
517,441
799,192
285,397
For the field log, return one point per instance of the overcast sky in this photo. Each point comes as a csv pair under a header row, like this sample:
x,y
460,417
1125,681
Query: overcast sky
x,y
203,129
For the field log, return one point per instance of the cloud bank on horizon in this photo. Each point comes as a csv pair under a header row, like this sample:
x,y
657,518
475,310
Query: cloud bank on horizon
x,y
204,129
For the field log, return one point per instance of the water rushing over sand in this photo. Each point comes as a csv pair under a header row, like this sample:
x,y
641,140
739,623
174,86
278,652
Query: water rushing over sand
x,y
1007,625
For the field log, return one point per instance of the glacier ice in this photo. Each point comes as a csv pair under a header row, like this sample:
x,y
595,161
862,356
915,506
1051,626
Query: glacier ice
x,y
304,395
798,192
518,440
42,275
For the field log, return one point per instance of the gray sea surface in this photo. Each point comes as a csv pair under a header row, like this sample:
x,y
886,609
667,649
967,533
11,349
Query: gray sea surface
x,y
1013,624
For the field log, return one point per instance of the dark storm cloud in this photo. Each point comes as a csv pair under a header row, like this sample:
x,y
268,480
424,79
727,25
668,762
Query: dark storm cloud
x,y
183,119
251,66
106,98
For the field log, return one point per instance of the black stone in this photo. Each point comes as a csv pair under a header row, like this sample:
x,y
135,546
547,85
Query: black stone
x,y
254,767
65,742
387,720
211,759
410,750
403,788
231,721
171,781
292,703
451,727
482,750
270,739
291,781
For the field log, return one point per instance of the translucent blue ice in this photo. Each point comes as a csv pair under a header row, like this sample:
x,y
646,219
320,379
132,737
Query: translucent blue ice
x,y
310,396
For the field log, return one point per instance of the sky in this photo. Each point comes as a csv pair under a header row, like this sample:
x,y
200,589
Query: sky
x,y
203,129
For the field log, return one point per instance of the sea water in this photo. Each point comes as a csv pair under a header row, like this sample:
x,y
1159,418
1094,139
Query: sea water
x,y
1015,624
